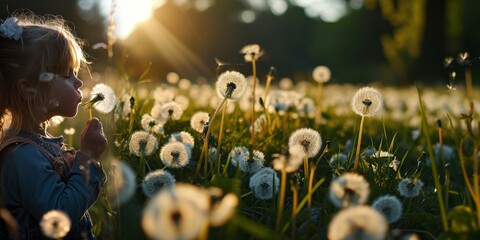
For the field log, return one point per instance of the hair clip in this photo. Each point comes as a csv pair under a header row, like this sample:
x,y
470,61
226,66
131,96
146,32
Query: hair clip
x,y
10,29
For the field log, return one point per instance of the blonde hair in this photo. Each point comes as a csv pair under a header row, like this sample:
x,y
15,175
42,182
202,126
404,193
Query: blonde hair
x,y
47,45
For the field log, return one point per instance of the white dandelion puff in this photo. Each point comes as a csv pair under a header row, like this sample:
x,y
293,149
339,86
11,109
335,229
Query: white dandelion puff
x,y
290,163
409,188
171,110
308,138
143,143
223,210
157,180
361,222
389,206
124,183
69,131
102,98
350,189
367,101
198,121
177,213
265,184
183,137
239,154
251,52
55,224
321,74
175,154
253,164
231,85
151,124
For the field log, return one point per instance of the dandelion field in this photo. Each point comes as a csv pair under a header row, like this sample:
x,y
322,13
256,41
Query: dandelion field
x,y
300,174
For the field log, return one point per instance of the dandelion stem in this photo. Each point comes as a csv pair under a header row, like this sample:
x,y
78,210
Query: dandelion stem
x,y
309,199
142,164
281,200
468,82
318,120
220,135
359,143
90,113
254,70
294,209
433,165
205,141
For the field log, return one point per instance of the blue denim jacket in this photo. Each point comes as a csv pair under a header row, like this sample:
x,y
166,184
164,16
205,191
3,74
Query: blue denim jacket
x,y
31,187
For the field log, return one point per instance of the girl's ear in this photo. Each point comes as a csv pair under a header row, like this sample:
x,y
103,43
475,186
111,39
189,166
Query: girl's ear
x,y
24,89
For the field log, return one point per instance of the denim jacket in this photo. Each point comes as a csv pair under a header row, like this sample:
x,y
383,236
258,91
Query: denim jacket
x,y
31,187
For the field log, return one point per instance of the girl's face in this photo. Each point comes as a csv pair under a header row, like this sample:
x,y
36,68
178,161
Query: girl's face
x,y
65,93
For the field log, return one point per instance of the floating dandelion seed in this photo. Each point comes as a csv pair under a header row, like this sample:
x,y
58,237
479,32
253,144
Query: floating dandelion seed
x,y
231,85
362,223
321,74
308,138
367,101
264,184
348,190
177,213
143,143
55,224
157,180
389,206
252,165
46,77
198,121
251,52
103,98
124,183
69,131
175,154
183,137
409,188
447,61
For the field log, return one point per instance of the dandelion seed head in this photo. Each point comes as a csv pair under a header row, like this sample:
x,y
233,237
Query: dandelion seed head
x,y
175,154
183,137
173,77
308,138
338,160
264,184
171,110
239,154
124,182
222,211
389,206
55,224
260,123
321,74
367,101
231,85
107,104
350,189
409,188
198,121
176,213
252,165
182,101
251,52
143,143
306,107
289,163
157,180
361,222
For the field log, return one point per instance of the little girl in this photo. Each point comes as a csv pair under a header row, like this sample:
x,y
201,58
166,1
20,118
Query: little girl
x,y
39,60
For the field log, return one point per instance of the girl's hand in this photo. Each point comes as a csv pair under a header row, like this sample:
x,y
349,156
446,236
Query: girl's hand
x,y
92,140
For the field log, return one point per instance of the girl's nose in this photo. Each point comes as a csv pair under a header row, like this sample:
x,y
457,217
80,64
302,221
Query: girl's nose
x,y
78,83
